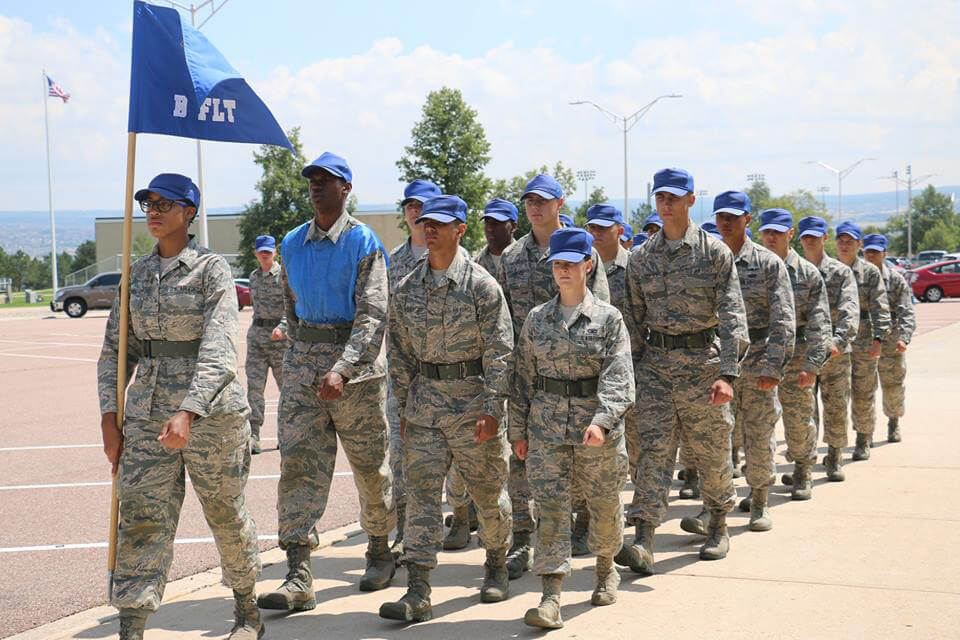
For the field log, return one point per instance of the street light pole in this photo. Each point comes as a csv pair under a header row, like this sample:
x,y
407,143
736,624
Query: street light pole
x,y
909,184
625,123
841,174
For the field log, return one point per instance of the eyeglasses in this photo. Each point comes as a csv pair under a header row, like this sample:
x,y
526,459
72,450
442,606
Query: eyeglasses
x,y
162,205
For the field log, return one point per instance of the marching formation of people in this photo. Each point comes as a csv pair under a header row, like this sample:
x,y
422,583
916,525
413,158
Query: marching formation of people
x,y
529,383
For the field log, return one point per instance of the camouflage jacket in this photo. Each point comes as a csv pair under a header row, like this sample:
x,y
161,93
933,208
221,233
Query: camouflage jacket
x,y
464,318
812,312
768,298
194,299
363,357
903,320
266,295
874,311
596,345
686,290
844,301
616,271
527,278
402,262
487,260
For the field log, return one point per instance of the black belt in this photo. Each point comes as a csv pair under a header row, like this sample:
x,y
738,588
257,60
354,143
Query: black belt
x,y
582,388
758,334
451,371
698,340
328,335
169,348
801,335
266,322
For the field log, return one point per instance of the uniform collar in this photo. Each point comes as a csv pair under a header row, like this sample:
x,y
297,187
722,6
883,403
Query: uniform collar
x,y
586,307
690,238
746,252
486,249
620,260
274,270
188,255
333,234
793,260
454,271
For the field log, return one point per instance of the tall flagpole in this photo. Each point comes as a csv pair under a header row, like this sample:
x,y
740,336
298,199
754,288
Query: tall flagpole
x,y
53,224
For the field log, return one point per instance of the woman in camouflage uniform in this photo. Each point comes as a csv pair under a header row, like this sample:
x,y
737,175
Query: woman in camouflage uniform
x,y
184,410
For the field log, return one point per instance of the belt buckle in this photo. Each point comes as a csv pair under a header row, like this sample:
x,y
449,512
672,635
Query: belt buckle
x,y
462,368
148,348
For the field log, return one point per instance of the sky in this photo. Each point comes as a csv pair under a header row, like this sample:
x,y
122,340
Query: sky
x,y
766,88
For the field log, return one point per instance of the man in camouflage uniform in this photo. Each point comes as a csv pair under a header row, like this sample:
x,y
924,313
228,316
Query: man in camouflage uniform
x,y
652,224
892,367
874,327
402,261
266,337
834,378
527,280
335,278
812,330
184,411
499,224
574,382
450,345
684,298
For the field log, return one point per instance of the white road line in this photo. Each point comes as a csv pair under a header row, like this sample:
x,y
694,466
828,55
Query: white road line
x,y
103,545
40,447
81,485
28,355
54,344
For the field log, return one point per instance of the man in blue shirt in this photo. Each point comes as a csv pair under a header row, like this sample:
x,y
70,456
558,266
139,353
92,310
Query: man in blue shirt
x,y
335,299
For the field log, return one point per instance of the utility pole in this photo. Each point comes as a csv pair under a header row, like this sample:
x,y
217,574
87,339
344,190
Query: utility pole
x,y
908,183
585,176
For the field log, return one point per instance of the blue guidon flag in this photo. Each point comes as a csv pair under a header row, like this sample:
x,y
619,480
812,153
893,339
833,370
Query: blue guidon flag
x,y
180,85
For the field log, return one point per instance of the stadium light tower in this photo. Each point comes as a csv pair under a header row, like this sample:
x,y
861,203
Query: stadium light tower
x,y
585,176
841,174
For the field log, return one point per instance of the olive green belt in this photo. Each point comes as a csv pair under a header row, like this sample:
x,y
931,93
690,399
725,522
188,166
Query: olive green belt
x,y
698,340
582,388
169,348
329,335
451,371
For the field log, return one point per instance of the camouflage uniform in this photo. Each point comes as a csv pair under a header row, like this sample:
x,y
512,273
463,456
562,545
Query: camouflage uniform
x,y
874,325
309,425
596,345
527,281
813,332
462,319
688,289
489,261
263,354
194,299
892,368
834,378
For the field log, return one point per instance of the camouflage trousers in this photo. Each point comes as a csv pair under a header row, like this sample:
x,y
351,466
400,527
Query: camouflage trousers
x,y
834,382
600,472
671,408
260,359
457,495
308,428
521,498
798,426
863,390
396,449
430,452
892,370
151,491
756,414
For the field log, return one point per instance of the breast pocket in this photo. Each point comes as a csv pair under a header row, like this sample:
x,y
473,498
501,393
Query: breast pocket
x,y
699,288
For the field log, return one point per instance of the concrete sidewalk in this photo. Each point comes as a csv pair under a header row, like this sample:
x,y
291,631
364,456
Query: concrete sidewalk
x,y
873,557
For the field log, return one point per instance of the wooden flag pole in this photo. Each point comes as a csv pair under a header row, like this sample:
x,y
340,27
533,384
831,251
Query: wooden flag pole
x,y
122,348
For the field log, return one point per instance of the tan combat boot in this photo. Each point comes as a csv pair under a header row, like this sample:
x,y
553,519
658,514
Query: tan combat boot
x,y
380,565
520,556
691,485
547,614
296,592
639,555
802,483
608,579
893,430
247,623
459,535
578,538
834,464
861,450
696,524
496,581
760,519
414,605
718,540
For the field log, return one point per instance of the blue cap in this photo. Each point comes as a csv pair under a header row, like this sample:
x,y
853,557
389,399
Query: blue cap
x,y
735,202
850,229
500,210
627,232
874,242
711,228
265,243
653,218
444,209
544,186
331,163
604,215
640,238
566,220
675,181
813,226
419,190
776,219
571,245
172,186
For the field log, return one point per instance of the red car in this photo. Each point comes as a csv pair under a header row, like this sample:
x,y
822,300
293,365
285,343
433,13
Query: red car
x,y
243,292
934,282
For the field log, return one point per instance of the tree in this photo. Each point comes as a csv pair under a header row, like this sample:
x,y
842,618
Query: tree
x,y
638,215
800,203
84,256
284,201
931,209
942,235
142,245
597,196
449,147
512,189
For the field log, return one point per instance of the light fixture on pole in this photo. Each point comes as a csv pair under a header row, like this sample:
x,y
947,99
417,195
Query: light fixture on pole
x,y
823,191
841,174
908,183
625,123
701,196
585,176
192,10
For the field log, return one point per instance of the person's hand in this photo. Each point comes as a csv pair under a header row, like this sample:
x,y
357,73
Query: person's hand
x,y
278,334
176,431
486,428
593,436
806,379
331,386
721,392
901,346
520,449
112,440
766,383
403,428
875,349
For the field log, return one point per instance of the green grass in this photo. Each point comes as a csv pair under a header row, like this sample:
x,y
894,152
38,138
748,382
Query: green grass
x,y
17,299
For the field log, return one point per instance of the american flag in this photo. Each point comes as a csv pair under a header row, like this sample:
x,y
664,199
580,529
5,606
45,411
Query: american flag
x,y
55,90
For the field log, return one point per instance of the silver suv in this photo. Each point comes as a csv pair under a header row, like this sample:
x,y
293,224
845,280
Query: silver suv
x,y
96,293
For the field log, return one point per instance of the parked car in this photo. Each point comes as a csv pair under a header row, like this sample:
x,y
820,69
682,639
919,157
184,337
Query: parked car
x,y
950,256
934,282
929,257
895,264
243,292
96,293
